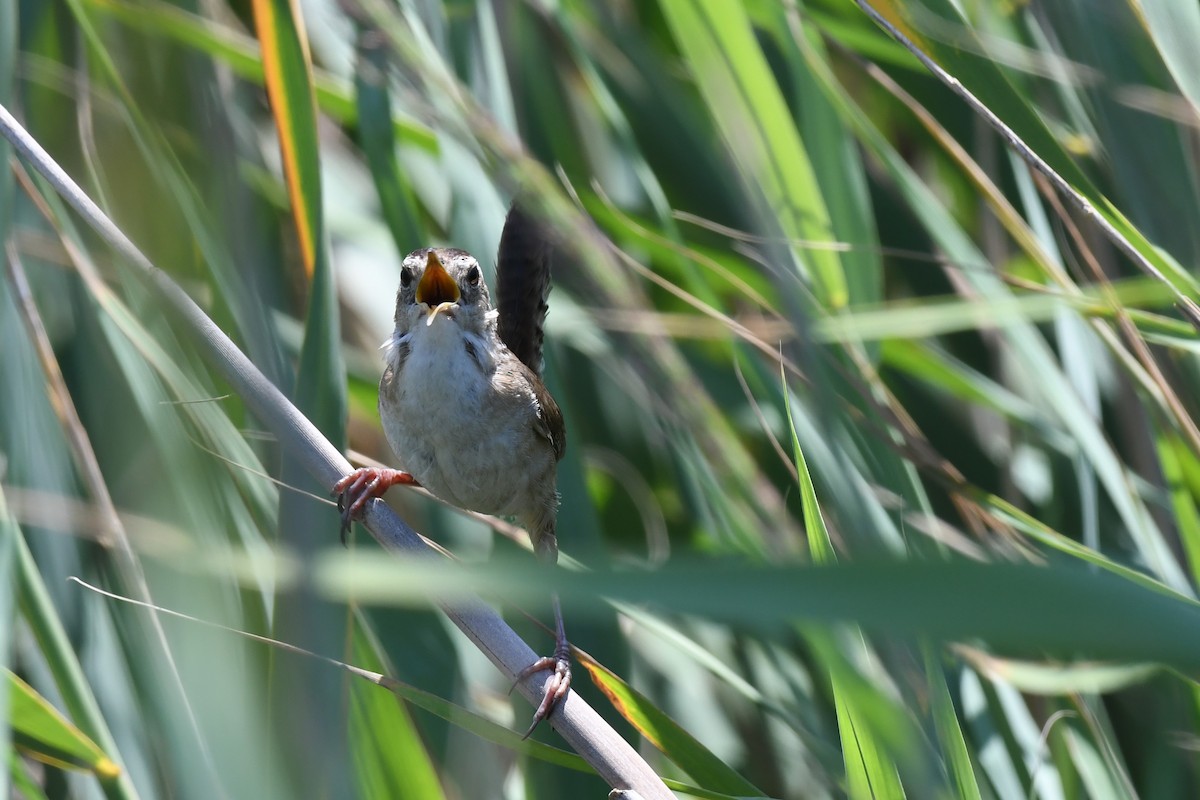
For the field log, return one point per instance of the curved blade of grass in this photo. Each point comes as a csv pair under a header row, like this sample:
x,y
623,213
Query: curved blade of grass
x,y
1021,754
23,783
1098,778
390,759
1103,735
697,652
839,170
46,735
1059,679
1043,533
1174,459
718,45
938,316
932,365
819,545
949,731
1175,29
869,770
700,763
38,610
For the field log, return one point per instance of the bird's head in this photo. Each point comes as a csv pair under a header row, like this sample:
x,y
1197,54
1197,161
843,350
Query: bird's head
x,y
442,286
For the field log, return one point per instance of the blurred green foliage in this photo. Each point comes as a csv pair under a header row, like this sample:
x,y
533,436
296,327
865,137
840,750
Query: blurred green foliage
x,y
811,310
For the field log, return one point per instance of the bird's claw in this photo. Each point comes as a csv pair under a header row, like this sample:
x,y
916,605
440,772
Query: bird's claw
x,y
556,688
365,483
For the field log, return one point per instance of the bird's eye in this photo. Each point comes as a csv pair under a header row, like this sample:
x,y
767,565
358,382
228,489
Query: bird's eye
x,y
406,277
472,276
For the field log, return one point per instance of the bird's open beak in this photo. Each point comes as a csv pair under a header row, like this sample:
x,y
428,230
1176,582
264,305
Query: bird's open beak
x,y
436,288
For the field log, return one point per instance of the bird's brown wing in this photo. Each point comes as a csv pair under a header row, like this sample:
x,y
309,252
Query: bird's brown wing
x,y
522,284
549,423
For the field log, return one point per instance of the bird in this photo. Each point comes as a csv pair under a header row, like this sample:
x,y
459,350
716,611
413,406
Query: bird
x,y
464,406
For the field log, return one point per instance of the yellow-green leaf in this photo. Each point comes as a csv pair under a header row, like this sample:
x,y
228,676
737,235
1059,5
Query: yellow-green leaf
x,y
664,733
287,69
44,734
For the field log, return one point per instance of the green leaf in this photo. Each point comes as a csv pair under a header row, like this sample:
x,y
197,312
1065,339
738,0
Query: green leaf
x,y
1060,611
390,757
23,783
1059,679
320,380
42,617
718,45
664,733
869,770
46,735
1175,28
1175,459
287,69
954,747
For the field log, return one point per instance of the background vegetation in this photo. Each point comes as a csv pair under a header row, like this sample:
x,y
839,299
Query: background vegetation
x,y
809,257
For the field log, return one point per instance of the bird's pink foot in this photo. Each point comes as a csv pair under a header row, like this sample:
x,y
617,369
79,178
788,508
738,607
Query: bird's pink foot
x,y
559,683
354,490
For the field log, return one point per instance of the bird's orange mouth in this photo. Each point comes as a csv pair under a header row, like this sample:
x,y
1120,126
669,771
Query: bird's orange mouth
x,y
437,289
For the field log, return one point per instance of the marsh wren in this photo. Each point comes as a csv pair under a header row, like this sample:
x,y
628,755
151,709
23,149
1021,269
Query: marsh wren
x,y
463,404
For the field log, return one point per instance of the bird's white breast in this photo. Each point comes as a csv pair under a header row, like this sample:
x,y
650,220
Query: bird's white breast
x,y
452,427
